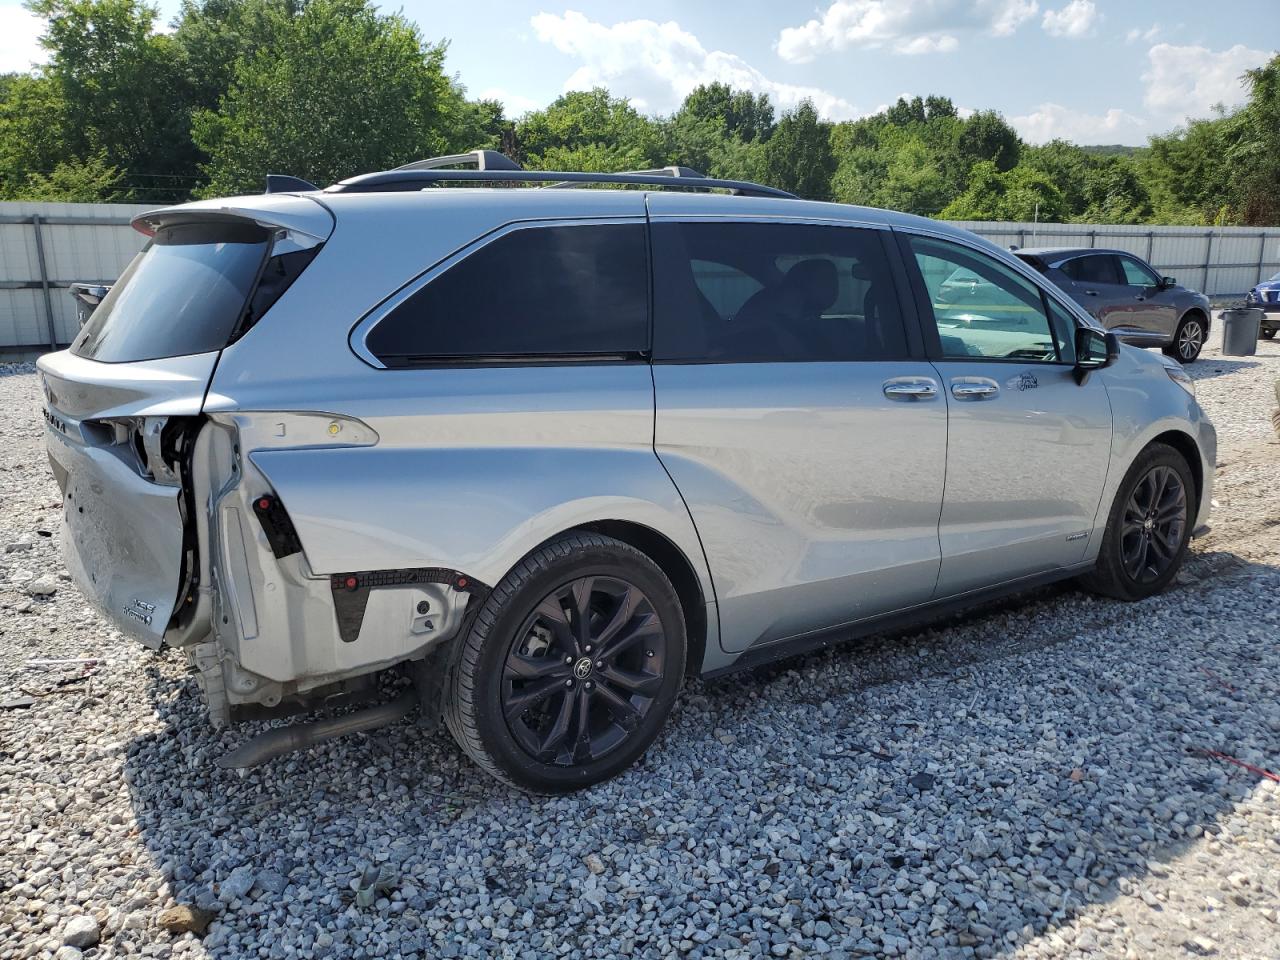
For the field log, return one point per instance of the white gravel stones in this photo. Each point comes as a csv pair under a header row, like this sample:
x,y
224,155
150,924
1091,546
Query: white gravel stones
x,y
1069,812
81,931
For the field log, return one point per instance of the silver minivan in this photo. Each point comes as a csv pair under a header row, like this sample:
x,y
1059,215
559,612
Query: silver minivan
x,y
534,449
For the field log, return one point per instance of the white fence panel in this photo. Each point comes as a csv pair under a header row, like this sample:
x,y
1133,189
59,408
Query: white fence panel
x,y
94,242
1220,261
44,247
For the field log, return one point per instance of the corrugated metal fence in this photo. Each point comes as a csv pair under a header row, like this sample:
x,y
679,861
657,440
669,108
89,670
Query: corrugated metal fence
x,y
1220,261
44,247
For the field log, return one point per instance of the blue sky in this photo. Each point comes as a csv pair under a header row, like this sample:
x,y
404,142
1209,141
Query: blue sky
x,y
1094,71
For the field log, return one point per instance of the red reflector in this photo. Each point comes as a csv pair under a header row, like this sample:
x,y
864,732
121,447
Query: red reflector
x,y
462,582
264,504
352,583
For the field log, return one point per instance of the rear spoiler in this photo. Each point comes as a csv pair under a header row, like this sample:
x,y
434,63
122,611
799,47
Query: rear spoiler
x,y
299,215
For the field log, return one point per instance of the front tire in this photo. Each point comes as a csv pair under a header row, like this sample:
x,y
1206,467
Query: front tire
x,y
571,667
1188,339
1148,528
1268,333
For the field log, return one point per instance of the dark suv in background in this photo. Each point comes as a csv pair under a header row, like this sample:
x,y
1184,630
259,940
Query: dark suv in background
x,y
1129,297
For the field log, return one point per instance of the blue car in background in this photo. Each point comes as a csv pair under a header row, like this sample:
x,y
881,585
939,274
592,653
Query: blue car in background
x,y
1266,297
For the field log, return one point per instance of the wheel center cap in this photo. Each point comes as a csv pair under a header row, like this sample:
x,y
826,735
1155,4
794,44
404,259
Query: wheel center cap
x,y
1148,524
582,669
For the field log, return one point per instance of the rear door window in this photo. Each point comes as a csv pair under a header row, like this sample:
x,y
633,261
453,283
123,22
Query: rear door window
x,y
571,291
773,292
184,294
1095,268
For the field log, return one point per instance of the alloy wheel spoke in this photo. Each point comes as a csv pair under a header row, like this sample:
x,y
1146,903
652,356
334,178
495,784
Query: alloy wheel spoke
x,y
623,710
522,667
580,592
645,684
626,610
647,628
530,696
582,737
555,737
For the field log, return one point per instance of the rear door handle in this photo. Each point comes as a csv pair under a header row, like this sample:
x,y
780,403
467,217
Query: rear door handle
x,y
1091,293
974,388
910,388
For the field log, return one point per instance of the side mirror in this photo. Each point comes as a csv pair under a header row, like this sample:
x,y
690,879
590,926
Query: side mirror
x,y
1167,282
1094,350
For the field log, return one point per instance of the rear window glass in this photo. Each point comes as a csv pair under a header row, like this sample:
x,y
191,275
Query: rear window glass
x,y
563,291
183,294
741,292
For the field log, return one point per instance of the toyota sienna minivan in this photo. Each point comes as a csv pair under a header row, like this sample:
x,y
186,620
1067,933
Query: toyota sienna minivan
x,y
543,448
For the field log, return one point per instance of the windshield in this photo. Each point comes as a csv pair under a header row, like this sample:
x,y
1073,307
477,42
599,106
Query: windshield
x,y
181,295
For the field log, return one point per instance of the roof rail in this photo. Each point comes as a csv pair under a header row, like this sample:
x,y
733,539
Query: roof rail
x,y
480,159
418,178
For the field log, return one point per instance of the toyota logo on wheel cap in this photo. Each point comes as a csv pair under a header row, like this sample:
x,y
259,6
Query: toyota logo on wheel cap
x,y
582,669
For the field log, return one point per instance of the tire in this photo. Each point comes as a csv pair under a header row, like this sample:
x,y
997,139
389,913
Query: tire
x,y
1268,333
1115,576
517,684
1188,339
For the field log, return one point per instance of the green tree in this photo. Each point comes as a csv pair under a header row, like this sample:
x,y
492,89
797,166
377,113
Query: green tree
x,y
589,126
745,116
75,181
1021,194
32,118
798,156
986,136
342,90
123,92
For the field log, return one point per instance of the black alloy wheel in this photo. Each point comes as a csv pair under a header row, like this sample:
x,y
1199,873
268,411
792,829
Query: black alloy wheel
x,y
583,670
1155,520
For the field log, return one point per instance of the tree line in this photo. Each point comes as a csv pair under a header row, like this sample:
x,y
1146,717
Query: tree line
x,y
325,89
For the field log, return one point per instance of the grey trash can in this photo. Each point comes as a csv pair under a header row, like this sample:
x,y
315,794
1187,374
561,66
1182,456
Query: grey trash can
x,y
1240,328
88,296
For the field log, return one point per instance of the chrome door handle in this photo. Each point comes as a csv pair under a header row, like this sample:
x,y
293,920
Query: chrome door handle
x,y
910,388
975,388
1091,293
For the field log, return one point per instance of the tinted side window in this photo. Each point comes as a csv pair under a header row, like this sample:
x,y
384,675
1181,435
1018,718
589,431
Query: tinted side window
x,y
1099,268
541,291
1137,275
743,292
982,308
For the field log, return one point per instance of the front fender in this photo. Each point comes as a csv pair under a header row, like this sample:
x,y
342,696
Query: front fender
x,y
475,510
1146,405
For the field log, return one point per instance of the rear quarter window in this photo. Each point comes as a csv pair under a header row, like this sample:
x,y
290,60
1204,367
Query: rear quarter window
x,y
183,294
571,291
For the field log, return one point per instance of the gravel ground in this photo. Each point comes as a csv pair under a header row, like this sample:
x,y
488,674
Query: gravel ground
x,y
1026,781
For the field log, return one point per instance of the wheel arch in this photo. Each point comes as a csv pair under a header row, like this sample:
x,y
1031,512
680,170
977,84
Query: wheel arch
x,y
1200,312
1186,446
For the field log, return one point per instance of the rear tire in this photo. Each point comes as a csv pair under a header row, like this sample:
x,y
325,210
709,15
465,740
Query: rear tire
x,y
1188,340
571,667
1148,528
1269,333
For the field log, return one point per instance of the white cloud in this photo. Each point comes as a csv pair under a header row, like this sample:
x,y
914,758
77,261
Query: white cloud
x,y
944,43
1050,121
1148,35
1079,18
904,26
20,40
657,64
516,104
1190,81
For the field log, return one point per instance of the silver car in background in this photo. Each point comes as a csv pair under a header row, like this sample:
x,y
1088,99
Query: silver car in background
x,y
537,454
1127,296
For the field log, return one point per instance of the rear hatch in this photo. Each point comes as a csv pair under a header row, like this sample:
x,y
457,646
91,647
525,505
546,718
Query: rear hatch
x,y
123,404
